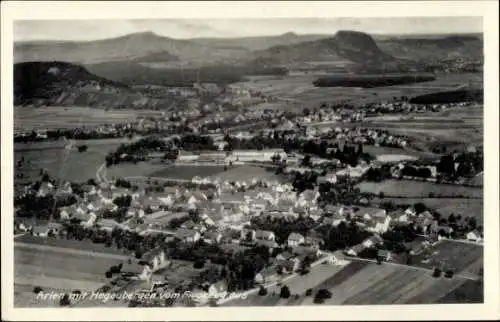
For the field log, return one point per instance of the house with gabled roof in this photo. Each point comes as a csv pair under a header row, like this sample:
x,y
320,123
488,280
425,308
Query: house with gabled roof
x,y
475,236
212,237
107,224
155,258
384,254
337,258
295,239
265,235
187,235
248,235
356,250
287,262
136,270
266,275
45,189
373,241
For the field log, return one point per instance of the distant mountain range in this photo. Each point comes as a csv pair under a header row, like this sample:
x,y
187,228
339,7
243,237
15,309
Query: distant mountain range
x,y
283,49
147,58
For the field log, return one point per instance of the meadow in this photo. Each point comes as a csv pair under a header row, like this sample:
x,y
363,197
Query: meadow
x,y
362,283
418,189
445,206
247,173
50,156
187,172
69,245
56,270
58,117
297,92
466,259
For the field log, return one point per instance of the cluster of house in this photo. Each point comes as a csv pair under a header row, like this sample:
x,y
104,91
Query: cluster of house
x,y
406,107
367,136
330,116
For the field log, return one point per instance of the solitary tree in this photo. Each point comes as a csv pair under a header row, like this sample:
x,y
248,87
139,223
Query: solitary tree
x,y
285,292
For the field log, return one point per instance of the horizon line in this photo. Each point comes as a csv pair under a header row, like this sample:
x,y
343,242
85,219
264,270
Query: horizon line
x,y
247,36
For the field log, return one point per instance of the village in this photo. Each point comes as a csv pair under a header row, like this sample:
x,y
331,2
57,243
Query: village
x,y
212,223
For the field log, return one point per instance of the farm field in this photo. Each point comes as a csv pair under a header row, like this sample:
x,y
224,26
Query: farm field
x,y
79,166
187,172
246,173
385,284
56,270
416,189
445,206
468,292
382,151
56,117
465,258
302,93
364,283
141,169
298,285
70,245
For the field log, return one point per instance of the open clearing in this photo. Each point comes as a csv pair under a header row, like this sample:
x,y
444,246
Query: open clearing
x,y
468,292
247,173
364,283
56,270
445,206
70,244
416,189
465,258
187,172
297,92
56,117
78,166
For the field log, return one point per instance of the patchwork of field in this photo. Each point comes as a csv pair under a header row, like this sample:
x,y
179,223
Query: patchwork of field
x,y
364,283
453,129
465,258
299,92
416,189
52,269
58,117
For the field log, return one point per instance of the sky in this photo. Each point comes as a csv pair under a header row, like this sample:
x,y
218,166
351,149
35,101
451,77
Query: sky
x,y
76,30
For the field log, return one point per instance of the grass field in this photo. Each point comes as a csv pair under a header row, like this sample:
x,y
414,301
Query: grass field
x,y
247,173
301,93
455,129
133,170
71,245
187,172
416,189
468,292
79,166
55,270
54,117
364,283
466,259
445,206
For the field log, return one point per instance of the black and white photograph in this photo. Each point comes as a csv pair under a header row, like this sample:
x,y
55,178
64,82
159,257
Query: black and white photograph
x,y
248,162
